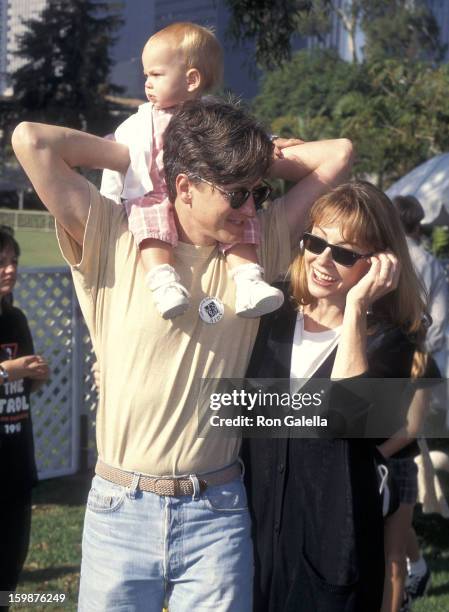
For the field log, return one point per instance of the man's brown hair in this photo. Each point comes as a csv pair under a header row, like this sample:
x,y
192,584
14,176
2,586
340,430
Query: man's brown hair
x,y
218,141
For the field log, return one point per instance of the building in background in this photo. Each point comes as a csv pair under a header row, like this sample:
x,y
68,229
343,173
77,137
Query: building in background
x,y
3,29
12,12
138,20
440,9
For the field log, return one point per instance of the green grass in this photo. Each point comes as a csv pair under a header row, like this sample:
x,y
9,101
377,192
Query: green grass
x,y
54,556
53,561
433,532
38,248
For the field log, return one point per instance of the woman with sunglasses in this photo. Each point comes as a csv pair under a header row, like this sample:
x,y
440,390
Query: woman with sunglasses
x,y
315,502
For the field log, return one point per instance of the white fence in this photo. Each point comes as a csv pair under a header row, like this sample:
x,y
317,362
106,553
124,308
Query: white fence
x,y
64,409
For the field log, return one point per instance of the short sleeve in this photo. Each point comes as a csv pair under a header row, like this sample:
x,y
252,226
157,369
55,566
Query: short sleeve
x,y
275,250
93,264
105,218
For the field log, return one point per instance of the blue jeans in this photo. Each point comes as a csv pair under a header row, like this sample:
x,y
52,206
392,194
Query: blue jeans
x,y
142,551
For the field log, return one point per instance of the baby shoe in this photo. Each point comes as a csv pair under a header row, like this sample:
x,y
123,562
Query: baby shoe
x,y
171,298
254,297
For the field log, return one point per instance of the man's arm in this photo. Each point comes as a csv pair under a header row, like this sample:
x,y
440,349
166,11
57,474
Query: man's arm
x,y
49,156
315,167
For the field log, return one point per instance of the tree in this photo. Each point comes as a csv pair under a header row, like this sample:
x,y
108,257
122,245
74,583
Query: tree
x,y
393,28
273,23
270,23
392,104
66,51
401,29
394,111
310,85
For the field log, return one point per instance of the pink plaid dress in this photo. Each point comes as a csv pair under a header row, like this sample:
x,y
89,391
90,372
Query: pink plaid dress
x,y
151,216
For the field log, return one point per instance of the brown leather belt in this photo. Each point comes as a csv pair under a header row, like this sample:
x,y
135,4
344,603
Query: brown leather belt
x,y
163,485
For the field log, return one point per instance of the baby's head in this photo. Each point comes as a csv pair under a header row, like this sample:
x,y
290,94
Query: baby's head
x,y
181,62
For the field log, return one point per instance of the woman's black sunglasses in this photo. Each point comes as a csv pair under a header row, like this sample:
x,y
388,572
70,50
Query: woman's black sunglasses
x,y
342,256
238,197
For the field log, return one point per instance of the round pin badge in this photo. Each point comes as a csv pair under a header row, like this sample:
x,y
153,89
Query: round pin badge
x,y
211,310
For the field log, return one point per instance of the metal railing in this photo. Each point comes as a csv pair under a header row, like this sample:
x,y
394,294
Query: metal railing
x,y
27,220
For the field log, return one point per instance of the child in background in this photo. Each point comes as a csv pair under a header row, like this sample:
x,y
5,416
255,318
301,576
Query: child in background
x,y
181,62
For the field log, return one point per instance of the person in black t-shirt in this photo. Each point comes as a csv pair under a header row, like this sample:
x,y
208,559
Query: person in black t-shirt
x,y
21,372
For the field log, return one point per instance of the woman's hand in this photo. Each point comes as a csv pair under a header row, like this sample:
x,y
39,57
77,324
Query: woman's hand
x,y
30,366
381,278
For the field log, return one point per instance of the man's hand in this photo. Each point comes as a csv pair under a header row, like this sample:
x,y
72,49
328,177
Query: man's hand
x,y
381,278
284,143
314,167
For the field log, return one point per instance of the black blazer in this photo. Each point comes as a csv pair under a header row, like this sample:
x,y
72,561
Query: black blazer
x,y
318,528
390,351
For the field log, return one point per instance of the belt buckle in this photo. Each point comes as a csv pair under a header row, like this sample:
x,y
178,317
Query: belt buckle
x,y
203,484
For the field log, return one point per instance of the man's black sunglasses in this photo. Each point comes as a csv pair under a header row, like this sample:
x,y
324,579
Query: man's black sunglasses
x,y
342,256
238,197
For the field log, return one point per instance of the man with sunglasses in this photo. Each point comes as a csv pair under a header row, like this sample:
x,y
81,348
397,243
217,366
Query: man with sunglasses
x,y
167,518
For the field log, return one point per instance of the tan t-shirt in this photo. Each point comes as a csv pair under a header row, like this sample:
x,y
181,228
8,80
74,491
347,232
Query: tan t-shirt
x,y
150,367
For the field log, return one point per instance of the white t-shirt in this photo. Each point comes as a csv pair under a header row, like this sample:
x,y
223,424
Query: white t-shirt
x,y
310,349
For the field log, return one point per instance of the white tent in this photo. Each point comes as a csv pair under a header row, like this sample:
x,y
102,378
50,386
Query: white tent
x,y
429,183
